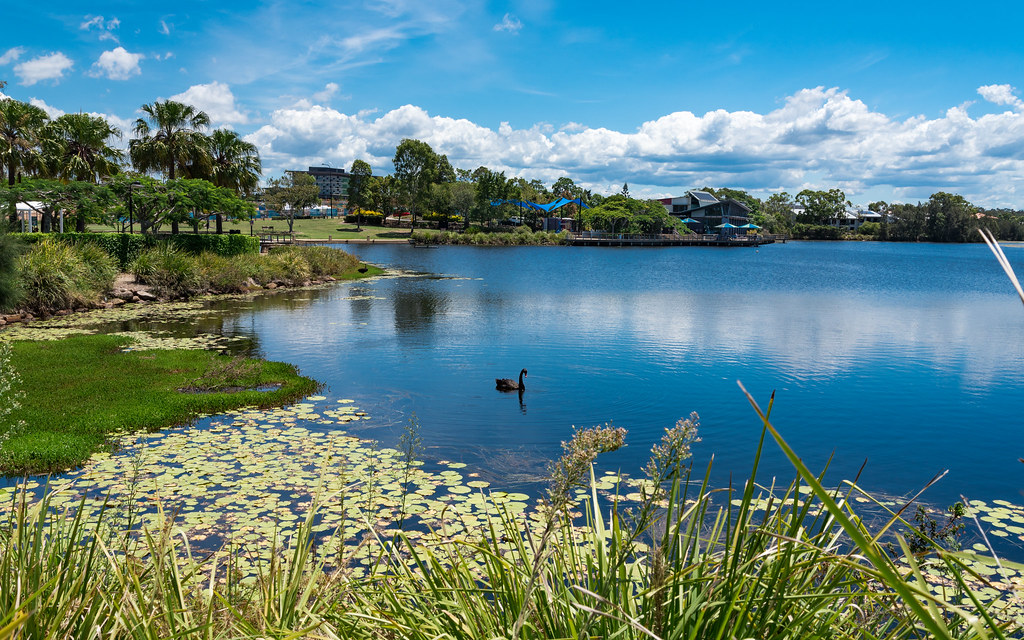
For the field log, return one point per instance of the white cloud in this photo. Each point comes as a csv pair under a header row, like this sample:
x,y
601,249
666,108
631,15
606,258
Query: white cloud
x,y
216,100
165,28
48,67
11,55
327,93
1001,94
818,138
105,27
509,23
53,112
117,64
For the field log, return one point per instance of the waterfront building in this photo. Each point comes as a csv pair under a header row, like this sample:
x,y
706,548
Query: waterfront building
x,y
708,211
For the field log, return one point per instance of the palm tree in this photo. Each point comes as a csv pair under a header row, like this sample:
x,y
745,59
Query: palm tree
x,y
171,141
20,126
235,165
75,149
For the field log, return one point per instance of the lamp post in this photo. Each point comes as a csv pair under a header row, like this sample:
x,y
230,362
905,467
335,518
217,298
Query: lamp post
x,y
131,208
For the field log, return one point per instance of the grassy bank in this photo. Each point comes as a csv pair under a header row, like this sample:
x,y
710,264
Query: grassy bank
x,y
82,390
53,275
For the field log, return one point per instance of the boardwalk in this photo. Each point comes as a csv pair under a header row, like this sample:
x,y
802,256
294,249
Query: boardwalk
x,y
598,239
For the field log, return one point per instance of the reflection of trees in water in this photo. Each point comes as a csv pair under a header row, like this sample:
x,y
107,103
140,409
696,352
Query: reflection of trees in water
x,y
417,307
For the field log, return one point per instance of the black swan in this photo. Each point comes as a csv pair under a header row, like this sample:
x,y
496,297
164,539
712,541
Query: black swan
x,y
507,384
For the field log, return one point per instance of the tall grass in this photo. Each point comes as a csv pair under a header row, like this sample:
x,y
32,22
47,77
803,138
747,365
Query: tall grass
x,y
173,273
55,275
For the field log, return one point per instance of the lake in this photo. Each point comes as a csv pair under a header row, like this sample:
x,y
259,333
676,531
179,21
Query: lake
x,y
906,356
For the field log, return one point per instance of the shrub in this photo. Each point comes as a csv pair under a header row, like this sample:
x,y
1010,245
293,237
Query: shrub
x,y
172,273
126,247
11,290
56,275
816,232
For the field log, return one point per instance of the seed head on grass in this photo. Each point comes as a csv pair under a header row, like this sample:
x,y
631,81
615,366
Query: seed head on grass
x,y
667,456
573,468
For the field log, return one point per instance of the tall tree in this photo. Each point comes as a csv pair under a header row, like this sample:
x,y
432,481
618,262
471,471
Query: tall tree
x,y
821,206
292,192
234,164
170,139
359,188
76,146
20,127
416,168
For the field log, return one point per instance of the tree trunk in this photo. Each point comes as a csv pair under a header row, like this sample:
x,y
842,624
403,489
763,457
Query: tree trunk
x,y
174,227
46,221
220,224
80,223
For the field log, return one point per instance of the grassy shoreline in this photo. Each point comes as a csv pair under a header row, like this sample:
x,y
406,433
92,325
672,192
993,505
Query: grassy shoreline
x,y
83,390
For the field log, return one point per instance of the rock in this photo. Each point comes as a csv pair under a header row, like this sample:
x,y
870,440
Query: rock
x,y
116,302
63,312
2,322
13,317
251,283
81,310
145,295
136,299
271,285
306,283
328,278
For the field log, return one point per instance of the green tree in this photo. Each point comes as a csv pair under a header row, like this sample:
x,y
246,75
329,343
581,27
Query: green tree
x,y
359,188
76,146
292,192
83,201
234,164
21,125
416,168
820,207
776,213
950,218
170,139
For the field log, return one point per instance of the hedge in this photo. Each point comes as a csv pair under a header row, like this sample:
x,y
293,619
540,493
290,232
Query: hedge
x,y
124,247
367,219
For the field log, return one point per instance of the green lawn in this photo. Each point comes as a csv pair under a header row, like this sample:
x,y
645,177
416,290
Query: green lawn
x,y
81,391
315,229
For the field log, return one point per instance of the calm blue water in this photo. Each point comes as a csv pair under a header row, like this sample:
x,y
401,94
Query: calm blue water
x,y
907,356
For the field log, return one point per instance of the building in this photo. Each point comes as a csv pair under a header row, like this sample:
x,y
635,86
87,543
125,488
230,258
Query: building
x,y
708,211
333,183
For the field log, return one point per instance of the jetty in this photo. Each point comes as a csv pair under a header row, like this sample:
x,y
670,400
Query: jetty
x,y
603,239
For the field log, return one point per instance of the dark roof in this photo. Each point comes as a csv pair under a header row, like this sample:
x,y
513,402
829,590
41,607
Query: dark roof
x,y
703,196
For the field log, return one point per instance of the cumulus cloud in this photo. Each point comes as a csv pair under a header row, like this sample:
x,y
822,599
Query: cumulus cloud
x,y
117,64
1001,94
48,67
216,100
11,55
509,23
818,138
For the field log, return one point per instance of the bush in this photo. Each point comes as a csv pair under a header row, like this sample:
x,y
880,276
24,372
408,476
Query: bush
x,y
172,273
369,219
11,290
57,275
870,229
803,231
126,247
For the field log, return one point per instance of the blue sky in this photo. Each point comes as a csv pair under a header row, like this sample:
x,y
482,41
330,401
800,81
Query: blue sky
x,y
888,101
